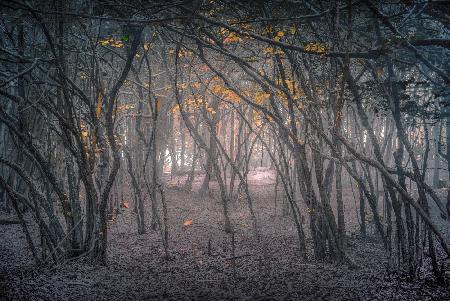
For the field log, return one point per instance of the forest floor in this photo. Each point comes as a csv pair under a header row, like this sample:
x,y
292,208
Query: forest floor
x,y
201,266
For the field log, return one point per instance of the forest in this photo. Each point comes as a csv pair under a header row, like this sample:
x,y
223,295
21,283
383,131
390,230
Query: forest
x,y
224,150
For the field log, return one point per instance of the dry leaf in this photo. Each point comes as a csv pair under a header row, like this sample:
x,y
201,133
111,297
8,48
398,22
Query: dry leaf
x,y
187,223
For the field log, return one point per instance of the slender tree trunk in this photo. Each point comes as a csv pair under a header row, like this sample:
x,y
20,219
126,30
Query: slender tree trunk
x,y
140,214
437,161
183,146
75,208
447,112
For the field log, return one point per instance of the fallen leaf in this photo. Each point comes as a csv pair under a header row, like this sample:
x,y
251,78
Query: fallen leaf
x,y
187,223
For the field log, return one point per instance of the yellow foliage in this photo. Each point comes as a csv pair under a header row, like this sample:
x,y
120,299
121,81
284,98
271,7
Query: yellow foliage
x,y
232,38
124,108
229,37
198,100
294,90
104,42
225,93
278,36
117,44
292,29
84,133
223,31
83,75
256,118
271,50
316,47
233,97
217,89
268,50
261,96
210,110
184,53
251,59
176,108
111,42
182,86
196,85
246,26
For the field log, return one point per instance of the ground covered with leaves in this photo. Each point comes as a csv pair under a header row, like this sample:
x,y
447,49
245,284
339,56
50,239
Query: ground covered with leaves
x,y
203,264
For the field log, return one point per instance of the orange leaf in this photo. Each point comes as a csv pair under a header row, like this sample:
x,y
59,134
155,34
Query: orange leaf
x,y
187,223
125,205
